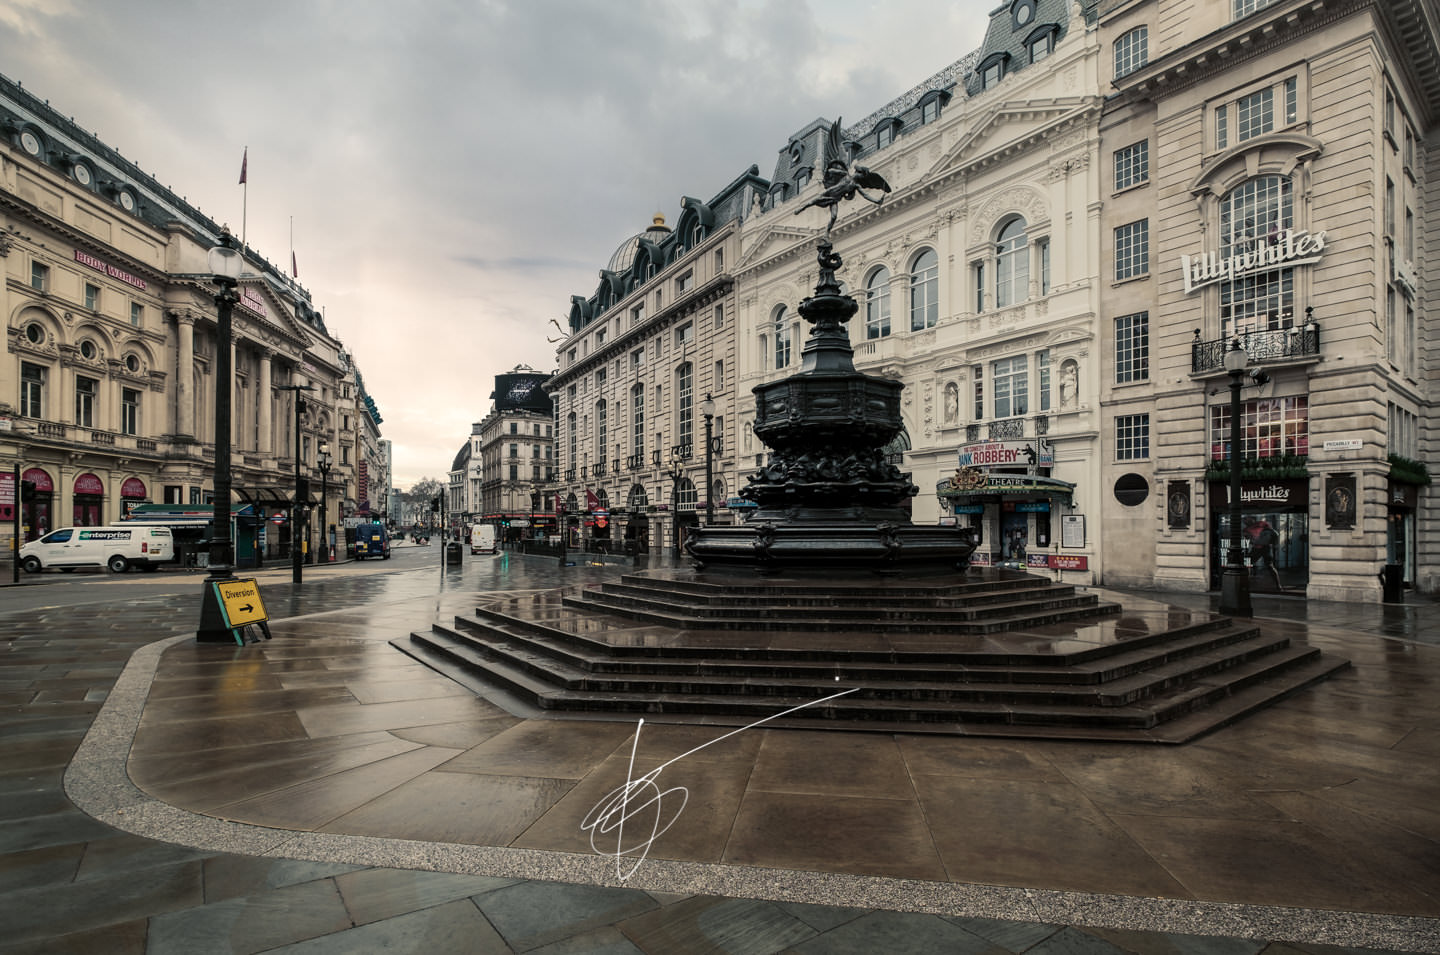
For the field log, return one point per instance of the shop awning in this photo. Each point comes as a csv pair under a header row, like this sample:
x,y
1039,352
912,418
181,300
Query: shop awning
x,y
971,484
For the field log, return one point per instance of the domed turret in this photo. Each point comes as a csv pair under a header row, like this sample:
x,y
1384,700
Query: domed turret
x,y
624,256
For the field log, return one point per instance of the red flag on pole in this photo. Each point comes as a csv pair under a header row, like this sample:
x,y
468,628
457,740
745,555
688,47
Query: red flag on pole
x,y
294,269
591,501
244,164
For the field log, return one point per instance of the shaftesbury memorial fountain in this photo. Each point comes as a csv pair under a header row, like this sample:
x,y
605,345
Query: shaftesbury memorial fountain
x,y
829,586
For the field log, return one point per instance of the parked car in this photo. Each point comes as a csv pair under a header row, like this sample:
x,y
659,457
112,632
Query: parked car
x,y
117,547
372,540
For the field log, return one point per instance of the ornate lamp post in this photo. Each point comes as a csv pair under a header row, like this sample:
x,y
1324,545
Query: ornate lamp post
x,y
707,408
224,264
323,461
1235,585
297,509
676,472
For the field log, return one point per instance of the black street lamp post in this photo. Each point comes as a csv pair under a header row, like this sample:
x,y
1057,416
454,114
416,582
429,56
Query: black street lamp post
x,y
323,461
676,472
561,524
224,262
1235,584
297,507
707,408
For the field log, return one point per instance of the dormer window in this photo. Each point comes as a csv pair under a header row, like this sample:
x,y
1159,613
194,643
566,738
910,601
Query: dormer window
x,y
931,104
992,71
1041,44
885,132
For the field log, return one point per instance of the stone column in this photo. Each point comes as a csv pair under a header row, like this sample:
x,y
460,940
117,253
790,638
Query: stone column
x,y
185,374
264,402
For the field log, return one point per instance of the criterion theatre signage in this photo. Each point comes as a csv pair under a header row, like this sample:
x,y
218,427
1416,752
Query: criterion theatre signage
x,y
1036,453
1285,248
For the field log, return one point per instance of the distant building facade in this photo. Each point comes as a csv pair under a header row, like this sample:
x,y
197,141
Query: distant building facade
x,y
107,388
516,456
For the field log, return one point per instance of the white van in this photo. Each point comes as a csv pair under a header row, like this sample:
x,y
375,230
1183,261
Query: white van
x,y
118,548
482,539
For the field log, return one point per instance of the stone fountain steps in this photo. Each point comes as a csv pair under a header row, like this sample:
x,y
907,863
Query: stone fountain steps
x,y
1027,675
983,612
1173,703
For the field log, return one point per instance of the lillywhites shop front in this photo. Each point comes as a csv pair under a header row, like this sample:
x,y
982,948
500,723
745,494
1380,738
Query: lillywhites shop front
x,y
1274,534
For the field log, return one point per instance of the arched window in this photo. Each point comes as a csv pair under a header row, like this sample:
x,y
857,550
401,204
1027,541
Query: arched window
x,y
924,291
1012,264
637,421
1253,216
782,338
877,304
1132,51
602,430
685,405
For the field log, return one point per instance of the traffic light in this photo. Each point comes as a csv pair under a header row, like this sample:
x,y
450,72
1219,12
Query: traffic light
x,y
302,489
27,490
435,504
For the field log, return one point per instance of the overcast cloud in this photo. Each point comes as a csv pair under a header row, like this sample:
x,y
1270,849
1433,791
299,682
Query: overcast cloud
x,y
457,169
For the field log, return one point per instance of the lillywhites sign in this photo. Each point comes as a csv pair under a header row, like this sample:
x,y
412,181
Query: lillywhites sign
x,y
1007,454
1290,247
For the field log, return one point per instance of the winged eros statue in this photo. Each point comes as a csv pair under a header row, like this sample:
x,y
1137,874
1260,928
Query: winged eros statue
x,y
843,181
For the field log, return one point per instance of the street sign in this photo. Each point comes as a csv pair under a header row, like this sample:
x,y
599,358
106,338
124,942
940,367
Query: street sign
x,y
240,602
1345,444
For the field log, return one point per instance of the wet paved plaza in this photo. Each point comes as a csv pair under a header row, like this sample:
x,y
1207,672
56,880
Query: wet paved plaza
x,y
323,792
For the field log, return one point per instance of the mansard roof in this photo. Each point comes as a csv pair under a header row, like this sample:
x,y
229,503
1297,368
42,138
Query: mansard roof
x,y
63,144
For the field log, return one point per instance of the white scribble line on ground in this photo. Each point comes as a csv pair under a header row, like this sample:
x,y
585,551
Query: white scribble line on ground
x,y
611,812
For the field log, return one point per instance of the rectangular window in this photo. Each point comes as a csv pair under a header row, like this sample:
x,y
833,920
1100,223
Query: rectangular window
x,y
979,286
1403,436
978,373
1011,385
1222,132
718,381
1132,347
1243,8
514,450
1409,151
719,261
129,411
137,314
92,297
1255,115
1132,250
1132,165
719,316
1132,437
685,282
685,405
1269,427
1292,103
514,427
39,277
86,389
684,335
1044,250
637,358
1042,371
32,390
1390,114
637,314
1389,208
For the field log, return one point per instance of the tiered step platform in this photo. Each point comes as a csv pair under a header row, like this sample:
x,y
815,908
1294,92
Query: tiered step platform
x,y
986,653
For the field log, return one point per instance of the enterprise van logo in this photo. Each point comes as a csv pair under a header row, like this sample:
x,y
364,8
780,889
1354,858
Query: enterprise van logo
x,y
104,535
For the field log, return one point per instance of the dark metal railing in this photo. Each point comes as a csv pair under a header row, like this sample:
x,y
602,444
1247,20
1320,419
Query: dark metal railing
x,y
1281,344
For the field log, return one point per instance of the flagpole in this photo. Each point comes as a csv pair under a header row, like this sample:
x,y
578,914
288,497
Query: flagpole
x,y
244,193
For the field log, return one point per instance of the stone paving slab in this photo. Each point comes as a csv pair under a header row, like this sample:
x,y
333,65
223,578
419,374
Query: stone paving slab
x,y
292,878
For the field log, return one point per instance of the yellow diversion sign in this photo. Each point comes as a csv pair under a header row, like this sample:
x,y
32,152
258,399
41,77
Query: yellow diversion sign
x,y
240,601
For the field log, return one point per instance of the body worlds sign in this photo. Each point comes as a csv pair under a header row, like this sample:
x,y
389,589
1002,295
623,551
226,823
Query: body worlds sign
x,y
1290,247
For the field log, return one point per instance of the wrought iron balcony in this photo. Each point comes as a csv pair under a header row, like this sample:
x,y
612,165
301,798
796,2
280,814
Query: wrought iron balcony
x,y
1007,428
1277,345
635,462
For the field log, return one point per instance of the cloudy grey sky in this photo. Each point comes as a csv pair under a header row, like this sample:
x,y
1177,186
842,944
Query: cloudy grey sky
x,y
457,169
